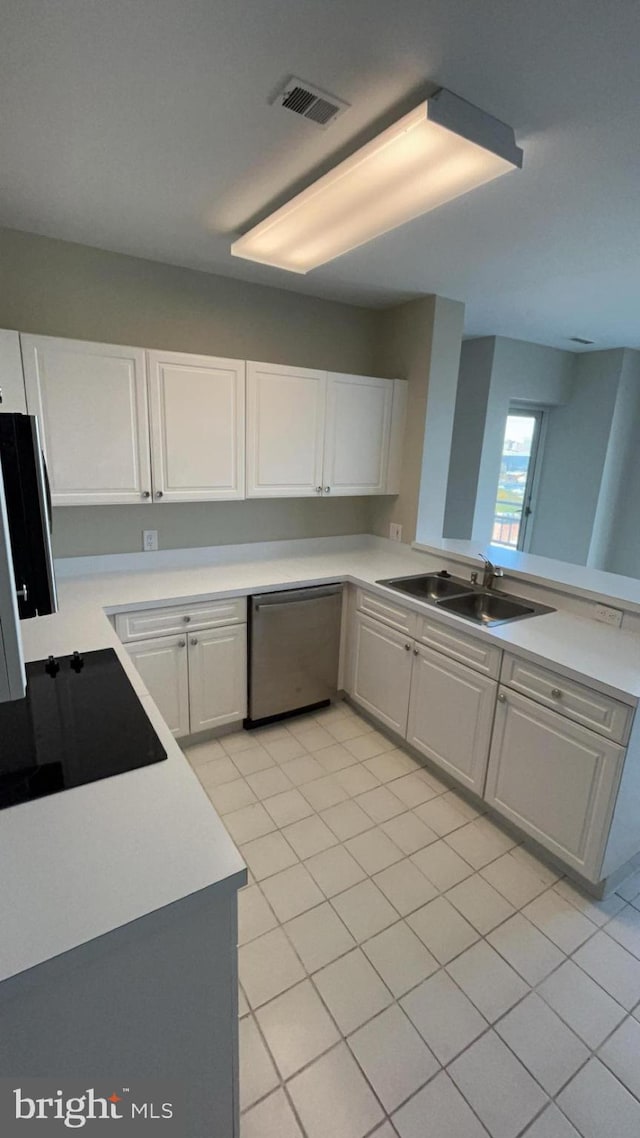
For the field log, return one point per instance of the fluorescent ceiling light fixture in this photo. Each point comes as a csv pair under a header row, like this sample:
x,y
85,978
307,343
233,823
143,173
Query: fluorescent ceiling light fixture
x,y
440,150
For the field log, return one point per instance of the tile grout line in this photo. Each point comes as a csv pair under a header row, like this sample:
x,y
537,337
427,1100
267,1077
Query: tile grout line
x,y
403,919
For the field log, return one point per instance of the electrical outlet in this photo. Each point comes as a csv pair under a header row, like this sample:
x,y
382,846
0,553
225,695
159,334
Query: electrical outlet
x,y
395,531
608,616
149,540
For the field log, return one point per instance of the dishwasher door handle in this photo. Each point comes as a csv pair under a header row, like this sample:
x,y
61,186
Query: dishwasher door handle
x,y
317,596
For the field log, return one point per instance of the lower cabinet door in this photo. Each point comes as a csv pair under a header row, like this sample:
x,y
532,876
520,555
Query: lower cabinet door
x,y
217,677
555,779
382,671
450,715
162,663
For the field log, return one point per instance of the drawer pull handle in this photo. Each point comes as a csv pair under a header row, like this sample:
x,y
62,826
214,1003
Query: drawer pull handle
x,y
186,619
502,697
556,693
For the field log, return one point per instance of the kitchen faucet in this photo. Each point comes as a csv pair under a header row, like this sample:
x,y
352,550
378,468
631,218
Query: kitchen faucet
x,y
490,572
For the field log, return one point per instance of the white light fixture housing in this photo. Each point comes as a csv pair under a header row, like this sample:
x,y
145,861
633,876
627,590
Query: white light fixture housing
x,y
440,150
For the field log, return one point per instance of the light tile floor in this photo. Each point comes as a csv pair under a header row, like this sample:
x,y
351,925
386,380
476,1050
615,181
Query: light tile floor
x,y
406,968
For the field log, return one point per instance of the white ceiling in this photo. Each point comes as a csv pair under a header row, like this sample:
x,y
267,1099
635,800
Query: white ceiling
x,y
143,126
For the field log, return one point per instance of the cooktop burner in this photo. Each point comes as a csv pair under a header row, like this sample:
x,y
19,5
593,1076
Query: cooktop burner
x,y
80,721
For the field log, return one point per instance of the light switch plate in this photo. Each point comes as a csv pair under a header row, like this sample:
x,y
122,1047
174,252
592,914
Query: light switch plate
x,y
149,540
395,531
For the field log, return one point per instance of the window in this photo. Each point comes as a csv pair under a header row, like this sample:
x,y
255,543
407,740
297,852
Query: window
x,y
514,501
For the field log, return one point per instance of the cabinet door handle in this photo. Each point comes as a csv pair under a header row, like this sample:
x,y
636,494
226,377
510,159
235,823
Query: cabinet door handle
x,y
556,693
145,494
182,644
186,619
159,494
327,489
407,647
415,652
502,697
194,641
318,489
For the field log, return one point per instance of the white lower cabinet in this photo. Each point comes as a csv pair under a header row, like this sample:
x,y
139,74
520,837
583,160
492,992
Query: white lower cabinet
x,y
382,671
217,677
450,715
554,779
197,679
163,665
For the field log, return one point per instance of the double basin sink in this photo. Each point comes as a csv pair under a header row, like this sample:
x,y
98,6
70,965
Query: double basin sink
x,y
453,594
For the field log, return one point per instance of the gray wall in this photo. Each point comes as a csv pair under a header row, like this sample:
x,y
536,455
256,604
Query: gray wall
x,y
420,341
574,458
62,289
623,547
472,398
403,351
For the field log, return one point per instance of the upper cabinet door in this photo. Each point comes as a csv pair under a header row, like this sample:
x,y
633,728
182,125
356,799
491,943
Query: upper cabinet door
x,y
197,427
91,401
285,431
356,448
12,394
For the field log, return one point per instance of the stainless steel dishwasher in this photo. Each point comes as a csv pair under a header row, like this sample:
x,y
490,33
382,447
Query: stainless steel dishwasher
x,y
294,645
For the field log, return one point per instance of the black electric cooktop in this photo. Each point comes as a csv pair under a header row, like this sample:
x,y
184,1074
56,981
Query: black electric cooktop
x,y
79,722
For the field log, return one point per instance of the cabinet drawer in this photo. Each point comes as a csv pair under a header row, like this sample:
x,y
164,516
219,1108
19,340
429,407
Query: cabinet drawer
x,y
388,612
477,654
576,701
145,623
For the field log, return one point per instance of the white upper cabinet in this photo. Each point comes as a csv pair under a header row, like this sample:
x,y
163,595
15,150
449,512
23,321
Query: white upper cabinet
x,y
356,447
197,427
285,430
91,401
12,394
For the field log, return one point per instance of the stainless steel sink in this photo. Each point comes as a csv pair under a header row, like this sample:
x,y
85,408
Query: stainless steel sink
x,y
492,608
430,587
453,594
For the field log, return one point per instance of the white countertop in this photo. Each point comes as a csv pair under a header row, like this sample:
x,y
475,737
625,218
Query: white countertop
x,y
580,580
78,864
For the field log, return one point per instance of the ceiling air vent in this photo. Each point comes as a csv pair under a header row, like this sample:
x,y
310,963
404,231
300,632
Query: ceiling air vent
x,y
579,340
309,102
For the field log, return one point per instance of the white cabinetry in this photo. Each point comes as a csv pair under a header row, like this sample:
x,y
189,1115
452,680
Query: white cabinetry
x,y
197,427
285,431
217,677
197,671
450,715
382,671
555,779
319,433
441,706
356,446
12,394
162,663
91,402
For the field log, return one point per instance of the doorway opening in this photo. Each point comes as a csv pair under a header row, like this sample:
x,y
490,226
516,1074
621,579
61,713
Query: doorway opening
x,y
515,498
